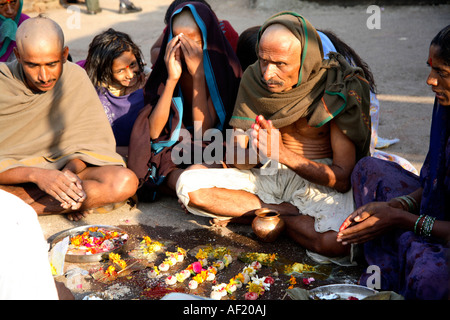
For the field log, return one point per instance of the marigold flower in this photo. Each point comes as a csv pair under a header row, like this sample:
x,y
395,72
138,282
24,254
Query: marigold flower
x,y
110,271
292,281
201,254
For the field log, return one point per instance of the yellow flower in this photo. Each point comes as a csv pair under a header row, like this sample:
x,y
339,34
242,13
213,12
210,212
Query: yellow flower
x,y
240,277
198,277
147,240
110,271
201,255
256,288
115,258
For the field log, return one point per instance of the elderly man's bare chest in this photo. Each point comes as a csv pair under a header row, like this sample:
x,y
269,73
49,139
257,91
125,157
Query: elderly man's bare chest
x,y
310,142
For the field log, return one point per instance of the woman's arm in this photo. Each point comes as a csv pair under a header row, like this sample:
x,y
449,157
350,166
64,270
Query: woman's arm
x,y
160,114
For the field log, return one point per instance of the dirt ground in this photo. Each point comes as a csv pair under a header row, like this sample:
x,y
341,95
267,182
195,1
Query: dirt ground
x,y
396,53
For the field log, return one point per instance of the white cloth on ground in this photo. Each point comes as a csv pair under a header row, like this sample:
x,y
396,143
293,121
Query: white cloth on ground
x,y
25,272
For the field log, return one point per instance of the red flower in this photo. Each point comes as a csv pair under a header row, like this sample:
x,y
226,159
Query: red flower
x,y
307,281
251,296
197,267
269,280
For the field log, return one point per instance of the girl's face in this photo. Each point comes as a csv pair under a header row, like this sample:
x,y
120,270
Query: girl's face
x,y
125,69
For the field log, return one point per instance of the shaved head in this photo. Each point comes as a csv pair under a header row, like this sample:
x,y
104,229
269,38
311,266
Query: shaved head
x,y
39,33
41,52
279,54
283,36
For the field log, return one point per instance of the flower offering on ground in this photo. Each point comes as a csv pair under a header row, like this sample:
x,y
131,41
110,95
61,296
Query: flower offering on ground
x,y
96,240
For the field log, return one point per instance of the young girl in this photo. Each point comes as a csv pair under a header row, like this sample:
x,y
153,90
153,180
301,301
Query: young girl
x,y
116,68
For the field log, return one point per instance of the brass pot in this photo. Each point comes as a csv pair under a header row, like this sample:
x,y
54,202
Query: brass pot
x,y
267,225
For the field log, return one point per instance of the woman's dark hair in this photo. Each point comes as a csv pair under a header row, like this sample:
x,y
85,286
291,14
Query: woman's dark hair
x,y
175,4
352,56
246,52
104,48
442,40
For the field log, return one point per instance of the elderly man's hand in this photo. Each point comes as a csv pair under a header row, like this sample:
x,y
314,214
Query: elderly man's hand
x,y
266,139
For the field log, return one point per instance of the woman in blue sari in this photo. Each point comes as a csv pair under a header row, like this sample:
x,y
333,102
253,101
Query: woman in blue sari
x,y
194,81
404,220
11,17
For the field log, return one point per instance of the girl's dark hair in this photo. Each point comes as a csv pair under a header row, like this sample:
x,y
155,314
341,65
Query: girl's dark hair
x,y
104,48
352,56
442,40
175,4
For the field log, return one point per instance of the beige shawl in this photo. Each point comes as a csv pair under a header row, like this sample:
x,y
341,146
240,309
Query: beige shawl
x,y
48,129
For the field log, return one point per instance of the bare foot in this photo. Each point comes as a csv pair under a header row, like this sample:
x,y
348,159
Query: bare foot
x,y
183,207
78,215
221,223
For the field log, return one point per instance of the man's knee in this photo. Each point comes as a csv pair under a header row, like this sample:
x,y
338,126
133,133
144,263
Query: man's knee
x,y
123,183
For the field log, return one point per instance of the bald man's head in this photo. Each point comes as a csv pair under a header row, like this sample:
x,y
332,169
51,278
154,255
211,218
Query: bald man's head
x,y
41,52
279,54
39,32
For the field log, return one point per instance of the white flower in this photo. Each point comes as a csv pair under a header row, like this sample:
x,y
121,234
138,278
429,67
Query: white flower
x,y
193,284
216,295
210,277
171,280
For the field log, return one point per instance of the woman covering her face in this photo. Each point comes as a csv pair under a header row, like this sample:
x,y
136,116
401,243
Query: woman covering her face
x,y
194,80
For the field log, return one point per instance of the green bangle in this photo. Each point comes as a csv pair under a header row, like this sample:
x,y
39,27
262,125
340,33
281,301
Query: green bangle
x,y
415,205
410,202
427,226
403,203
417,222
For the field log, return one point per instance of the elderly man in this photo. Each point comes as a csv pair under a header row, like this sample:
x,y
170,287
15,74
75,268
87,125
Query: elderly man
x,y
321,110
57,150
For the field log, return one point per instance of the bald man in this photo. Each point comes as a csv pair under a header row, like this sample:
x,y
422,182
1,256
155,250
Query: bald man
x,y
57,149
294,101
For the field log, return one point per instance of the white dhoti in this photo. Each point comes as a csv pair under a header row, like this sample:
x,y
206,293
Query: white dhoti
x,y
328,207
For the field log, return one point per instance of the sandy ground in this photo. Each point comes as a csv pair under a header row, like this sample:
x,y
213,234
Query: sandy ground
x,y
396,53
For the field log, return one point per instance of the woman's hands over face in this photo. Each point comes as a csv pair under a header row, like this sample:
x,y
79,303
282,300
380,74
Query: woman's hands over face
x,y
172,59
184,48
192,53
